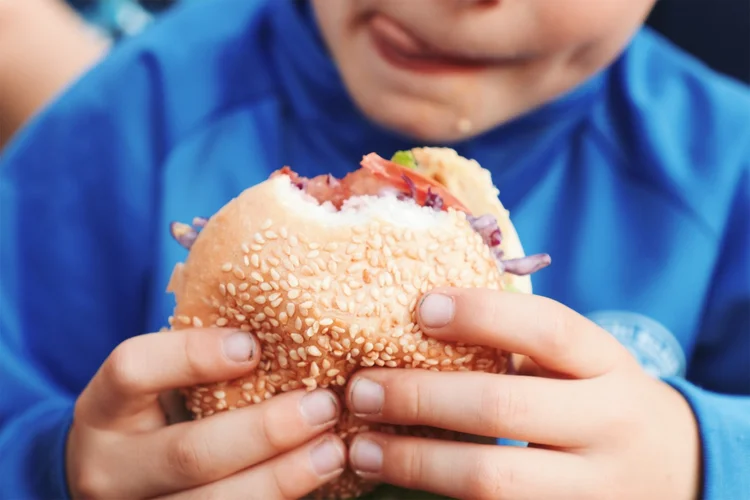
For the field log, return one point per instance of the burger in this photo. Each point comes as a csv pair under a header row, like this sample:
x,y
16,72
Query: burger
x,y
328,272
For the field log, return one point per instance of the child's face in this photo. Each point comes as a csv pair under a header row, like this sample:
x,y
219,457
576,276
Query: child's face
x,y
444,70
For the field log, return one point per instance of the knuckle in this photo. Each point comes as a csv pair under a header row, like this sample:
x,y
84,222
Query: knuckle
x,y
282,487
195,356
410,399
504,409
122,369
187,460
90,480
409,462
556,337
489,481
272,433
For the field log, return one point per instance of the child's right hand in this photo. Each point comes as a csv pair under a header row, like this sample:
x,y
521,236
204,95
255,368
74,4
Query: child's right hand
x,y
120,445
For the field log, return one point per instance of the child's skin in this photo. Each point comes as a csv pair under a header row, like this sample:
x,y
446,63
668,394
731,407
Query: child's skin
x,y
603,428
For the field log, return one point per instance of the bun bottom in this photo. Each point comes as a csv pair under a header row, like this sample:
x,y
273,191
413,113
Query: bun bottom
x,y
349,485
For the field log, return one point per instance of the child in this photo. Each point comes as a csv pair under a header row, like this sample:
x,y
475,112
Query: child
x,y
619,155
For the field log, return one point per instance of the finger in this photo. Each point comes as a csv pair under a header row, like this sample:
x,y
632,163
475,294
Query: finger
x,y
194,453
471,471
555,337
538,410
140,368
288,477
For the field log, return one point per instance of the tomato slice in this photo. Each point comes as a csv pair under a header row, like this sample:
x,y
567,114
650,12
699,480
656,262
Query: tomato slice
x,y
376,175
394,174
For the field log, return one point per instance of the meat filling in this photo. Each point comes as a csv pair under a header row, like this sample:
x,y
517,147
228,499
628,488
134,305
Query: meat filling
x,y
380,177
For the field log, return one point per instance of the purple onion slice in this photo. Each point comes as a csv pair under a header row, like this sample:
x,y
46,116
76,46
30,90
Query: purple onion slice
x,y
527,265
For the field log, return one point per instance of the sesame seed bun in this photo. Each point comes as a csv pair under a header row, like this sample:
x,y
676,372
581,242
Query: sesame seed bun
x,y
329,292
472,184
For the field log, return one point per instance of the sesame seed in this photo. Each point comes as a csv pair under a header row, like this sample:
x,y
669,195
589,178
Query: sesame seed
x,y
270,235
257,277
260,299
326,322
255,260
221,322
314,351
226,267
243,287
314,369
275,274
219,394
231,289
197,322
311,383
368,347
184,319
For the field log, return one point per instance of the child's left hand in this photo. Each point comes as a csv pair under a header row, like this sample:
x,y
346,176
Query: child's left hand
x,y
600,426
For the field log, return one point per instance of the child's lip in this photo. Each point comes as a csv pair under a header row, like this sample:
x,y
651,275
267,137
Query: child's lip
x,y
402,48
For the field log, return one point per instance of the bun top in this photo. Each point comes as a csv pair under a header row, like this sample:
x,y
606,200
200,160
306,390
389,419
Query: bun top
x,y
342,285
473,185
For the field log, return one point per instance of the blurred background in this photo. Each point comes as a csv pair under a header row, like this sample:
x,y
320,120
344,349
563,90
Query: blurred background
x,y
45,44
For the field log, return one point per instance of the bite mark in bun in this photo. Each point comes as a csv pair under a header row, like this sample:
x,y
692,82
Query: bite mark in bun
x,y
328,273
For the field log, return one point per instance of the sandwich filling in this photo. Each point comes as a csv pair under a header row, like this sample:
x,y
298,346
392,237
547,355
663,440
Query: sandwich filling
x,y
380,177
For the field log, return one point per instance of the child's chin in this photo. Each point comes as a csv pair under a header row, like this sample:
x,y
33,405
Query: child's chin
x,y
432,127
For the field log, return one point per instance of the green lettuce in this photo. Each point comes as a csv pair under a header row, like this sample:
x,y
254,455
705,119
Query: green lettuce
x,y
405,159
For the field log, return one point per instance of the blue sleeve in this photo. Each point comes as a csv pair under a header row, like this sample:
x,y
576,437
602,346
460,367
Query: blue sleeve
x,y
719,378
77,200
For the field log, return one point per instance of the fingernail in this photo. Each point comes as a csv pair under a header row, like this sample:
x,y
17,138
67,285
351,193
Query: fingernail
x,y
326,458
436,310
318,408
367,397
366,456
239,347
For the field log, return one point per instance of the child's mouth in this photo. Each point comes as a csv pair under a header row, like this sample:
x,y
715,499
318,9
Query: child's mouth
x,y
404,50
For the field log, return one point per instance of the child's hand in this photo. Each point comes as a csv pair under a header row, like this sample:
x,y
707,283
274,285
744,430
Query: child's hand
x,y
601,427
120,445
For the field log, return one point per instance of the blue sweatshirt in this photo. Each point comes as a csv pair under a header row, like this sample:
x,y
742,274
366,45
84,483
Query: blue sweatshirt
x,y
637,183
